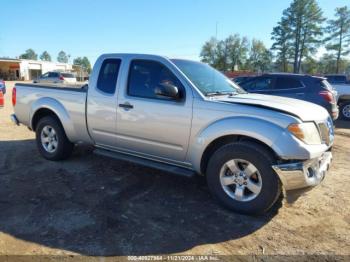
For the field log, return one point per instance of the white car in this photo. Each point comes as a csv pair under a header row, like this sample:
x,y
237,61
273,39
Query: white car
x,y
343,91
342,86
57,78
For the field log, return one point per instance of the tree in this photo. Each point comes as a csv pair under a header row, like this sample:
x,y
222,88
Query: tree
x,y
280,36
209,52
227,54
29,54
45,56
326,64
338,38
310,66
260,58
222,51
303,29
62,57
237,51
83,62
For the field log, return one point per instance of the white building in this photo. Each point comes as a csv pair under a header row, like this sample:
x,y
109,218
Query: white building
x,y
23,69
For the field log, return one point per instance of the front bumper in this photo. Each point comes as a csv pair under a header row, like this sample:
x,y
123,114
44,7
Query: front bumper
x,y
303,174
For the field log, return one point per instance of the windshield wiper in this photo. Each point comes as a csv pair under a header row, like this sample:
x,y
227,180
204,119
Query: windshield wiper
x,y
220,93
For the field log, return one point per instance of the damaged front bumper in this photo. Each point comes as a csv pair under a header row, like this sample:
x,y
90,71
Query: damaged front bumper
x,y
304,174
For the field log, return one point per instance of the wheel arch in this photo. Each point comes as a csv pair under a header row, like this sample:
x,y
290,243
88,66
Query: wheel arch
x,y
49,106
41,113
224,140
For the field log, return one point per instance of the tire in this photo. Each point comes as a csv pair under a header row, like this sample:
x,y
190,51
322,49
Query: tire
x,y
244,153
63,147
345,111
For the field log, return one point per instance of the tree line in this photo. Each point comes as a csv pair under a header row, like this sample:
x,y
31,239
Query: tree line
x,y
62,57
297,37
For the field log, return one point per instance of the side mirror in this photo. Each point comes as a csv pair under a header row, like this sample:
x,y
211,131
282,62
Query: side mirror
x,y
167,90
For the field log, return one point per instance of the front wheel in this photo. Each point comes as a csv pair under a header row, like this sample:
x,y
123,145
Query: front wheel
x,y
240,176
345,111
51,139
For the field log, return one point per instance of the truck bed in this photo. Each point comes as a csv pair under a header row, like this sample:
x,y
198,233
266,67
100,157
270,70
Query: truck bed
x,y
66,87
68,102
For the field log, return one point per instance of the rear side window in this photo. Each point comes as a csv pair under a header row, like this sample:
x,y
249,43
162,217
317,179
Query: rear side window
x,y
262,83
324,84
108,76
145,76
54,74
67,75
288,83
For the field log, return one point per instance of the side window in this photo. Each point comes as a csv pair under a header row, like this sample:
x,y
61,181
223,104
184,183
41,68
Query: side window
x,y
260,84
53,74
146,76
108,76
288,83
45,75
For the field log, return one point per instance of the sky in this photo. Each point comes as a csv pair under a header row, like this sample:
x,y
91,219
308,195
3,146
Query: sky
x,y
174,28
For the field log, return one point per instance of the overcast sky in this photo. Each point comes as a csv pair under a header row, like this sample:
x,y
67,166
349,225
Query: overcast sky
x,y
172,28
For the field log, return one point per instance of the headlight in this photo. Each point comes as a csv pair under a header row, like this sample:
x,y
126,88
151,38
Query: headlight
x,y
307,132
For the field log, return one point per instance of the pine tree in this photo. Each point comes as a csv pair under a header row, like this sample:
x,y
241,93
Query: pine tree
x,y
338,39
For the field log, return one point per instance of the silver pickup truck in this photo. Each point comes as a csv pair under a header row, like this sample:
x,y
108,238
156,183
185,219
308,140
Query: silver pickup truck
x,y
186,118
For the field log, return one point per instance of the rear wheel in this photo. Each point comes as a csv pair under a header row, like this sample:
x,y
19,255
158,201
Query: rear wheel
x,y
345,111
240,176
51,139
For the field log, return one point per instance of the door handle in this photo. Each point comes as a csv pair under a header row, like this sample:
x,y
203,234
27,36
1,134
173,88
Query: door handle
x,y
300,94
126,106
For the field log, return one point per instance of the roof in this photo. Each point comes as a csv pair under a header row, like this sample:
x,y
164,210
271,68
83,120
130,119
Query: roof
x,y
293,75
6,59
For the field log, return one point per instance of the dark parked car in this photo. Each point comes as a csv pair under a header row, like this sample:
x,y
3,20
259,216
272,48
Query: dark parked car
x,y
2,86
305,87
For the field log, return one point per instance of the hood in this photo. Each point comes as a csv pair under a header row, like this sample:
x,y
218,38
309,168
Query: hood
x,y
305,111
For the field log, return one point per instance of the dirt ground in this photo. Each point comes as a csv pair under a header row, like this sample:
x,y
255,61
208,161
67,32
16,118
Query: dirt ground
x,y
92,206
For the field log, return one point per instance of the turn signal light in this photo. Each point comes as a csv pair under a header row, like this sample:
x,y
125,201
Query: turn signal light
x,y
296,130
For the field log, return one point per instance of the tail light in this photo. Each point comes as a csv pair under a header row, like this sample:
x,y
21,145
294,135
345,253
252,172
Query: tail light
x,y
2,101
61,78
328,96
14,96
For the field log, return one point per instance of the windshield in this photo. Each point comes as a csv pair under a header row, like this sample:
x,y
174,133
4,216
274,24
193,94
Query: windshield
x,y
207,79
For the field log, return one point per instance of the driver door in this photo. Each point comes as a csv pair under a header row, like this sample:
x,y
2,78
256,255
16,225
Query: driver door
x,y
150,125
